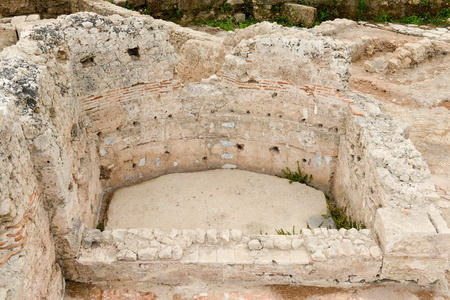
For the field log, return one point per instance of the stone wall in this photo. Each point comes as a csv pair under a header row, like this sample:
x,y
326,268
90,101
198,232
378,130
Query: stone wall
x,y
28,269
181,257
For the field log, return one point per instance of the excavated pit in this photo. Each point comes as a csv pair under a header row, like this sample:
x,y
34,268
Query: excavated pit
x,y
93,105
218,199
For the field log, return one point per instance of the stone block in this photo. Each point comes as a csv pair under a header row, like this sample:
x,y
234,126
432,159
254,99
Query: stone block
x,y
269,257
120,2
225,256
422,270
418,51
166,252
254,245
401,234
236,235
299,14
300,257
8,36
283,243
239,17
126,255
207,255
242,256
378,65
147,254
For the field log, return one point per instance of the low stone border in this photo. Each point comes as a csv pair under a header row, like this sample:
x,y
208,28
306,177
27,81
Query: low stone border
x,y
318,256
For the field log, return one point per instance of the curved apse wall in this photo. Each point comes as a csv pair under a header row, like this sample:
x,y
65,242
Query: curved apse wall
x,y
256,113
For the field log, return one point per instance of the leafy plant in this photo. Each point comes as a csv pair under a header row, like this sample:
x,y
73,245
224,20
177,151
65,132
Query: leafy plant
x,y
362,8
101,226
338,214
296,176
179,13
276,8
382,18
282,232
226,7
129,6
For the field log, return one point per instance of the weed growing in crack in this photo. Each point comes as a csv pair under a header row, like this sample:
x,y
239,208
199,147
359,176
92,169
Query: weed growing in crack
x,y
101,226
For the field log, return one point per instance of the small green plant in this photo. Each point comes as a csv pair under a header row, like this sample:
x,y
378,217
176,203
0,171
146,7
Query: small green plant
x,y
146,11
179,13
282,20
101,226
382,18
339,216
276,8
282,232
296,176
362,8
129,6
425,3
226,7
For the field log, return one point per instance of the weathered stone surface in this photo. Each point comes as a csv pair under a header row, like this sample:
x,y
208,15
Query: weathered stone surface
x,y
404,234
8,36
126,255
254,245
377,65
299,14
147,254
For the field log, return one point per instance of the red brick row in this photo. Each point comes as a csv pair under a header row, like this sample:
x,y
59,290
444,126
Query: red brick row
x,y
97,102
20,235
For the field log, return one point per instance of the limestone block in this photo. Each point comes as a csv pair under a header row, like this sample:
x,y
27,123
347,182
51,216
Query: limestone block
x,y
297,243
405,235
166,252
225,256
177,252
268,243
318,256
201,234
299,14
378,65
211,235
239,17
8,36
31,18
283,243
418,51
236,235
225,236
422,270
300,257
120,2
199,60
254,245
147,254
207,255
126,255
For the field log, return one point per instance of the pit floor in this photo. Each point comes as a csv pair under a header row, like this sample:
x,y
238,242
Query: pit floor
x,y
218,199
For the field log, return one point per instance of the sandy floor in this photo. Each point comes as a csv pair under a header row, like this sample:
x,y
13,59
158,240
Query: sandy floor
x,y
219,199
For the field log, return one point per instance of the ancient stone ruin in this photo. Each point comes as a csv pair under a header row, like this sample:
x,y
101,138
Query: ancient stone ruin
x,y
106,98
